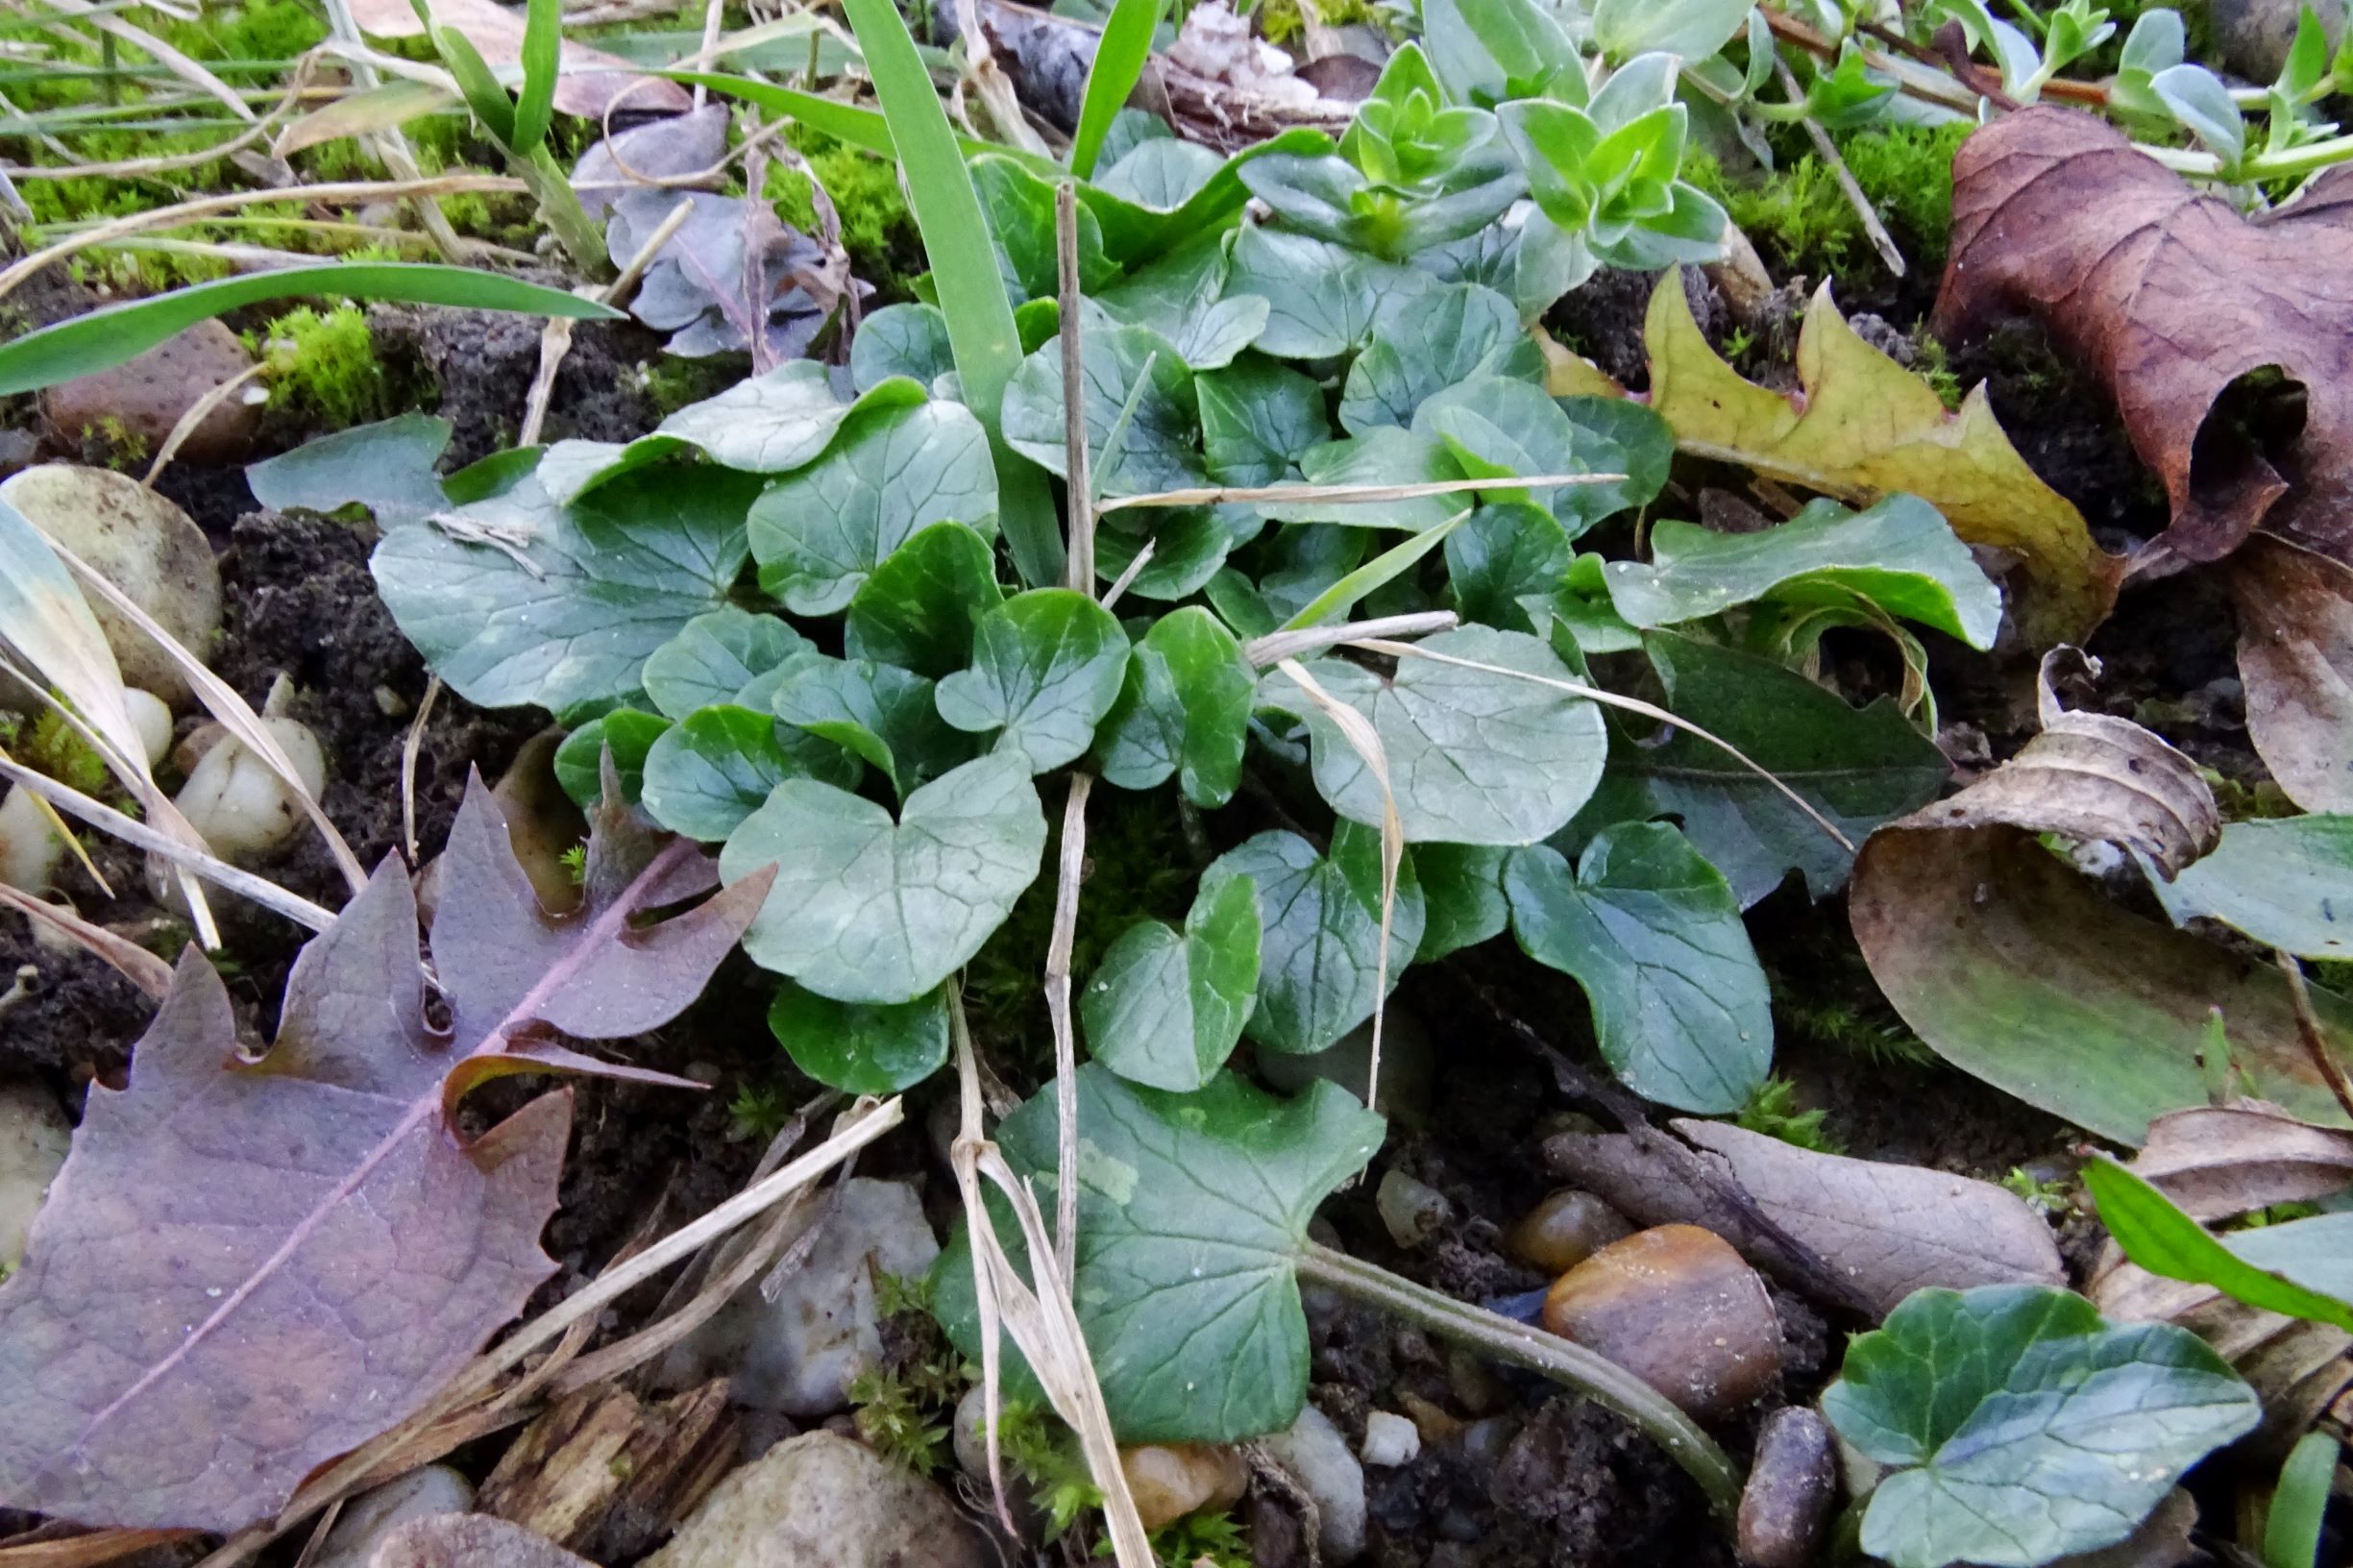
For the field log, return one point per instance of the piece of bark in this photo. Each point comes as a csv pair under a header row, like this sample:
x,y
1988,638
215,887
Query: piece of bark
x,y
604,1474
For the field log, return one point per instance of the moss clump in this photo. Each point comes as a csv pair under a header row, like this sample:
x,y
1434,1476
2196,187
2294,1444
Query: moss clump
x,y
877,230
1283,24
324,368
670,382
1802,217
1773,1111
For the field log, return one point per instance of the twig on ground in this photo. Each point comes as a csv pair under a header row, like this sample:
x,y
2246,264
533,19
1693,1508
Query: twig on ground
x,y
2308,1030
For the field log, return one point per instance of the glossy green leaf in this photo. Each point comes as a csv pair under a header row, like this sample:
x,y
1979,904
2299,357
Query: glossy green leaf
x,y
1501,555
1118,61
104,337
1046,665
1428,343
1858,767
516,600
1182,710
1192,1213
980,326
1321,917
1899,556
1166,1009
921,605
1462,889
819,532
2029,1428
1257,418
1183,297
1474,757
1690,29
1383,456
2161,1239
713,768
864,909
1322,299
2288,883
389,467
714,656
629,733
1018,203
1188,545
1681,1006
1143,429
877,712
861,1047
1131,198
1488,50
1162,173
909,340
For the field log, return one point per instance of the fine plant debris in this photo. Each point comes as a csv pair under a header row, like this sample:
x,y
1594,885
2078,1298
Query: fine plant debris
x,y
1459,782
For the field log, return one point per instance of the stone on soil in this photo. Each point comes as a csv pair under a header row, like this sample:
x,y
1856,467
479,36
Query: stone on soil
x,y
798,1354
33,1137
822,1500
139,402
368,1519
1318,1456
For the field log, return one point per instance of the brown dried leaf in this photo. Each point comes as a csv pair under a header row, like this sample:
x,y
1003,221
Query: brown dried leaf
x,y
2172,296
2223,1160
470,1541
592,84
2014,968
251,1264
1890,1229
2296,657
2094,777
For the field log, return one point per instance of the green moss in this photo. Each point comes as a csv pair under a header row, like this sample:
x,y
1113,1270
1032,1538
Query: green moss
x,y
877,230
896,1423
1043,1452
1932,363
1283,24
324,369
1773,1111
672,383
1801,216
52,747
1212,1539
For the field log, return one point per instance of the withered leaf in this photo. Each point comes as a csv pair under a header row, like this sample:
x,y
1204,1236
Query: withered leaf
x,y
2296,658
2223,1160
251,1264
1890,1229
591,85
2172,296
1862,427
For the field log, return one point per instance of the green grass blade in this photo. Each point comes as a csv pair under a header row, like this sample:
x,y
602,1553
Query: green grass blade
x,y
1118,61
108,336
1380,572
2169,1244
543,51
484,96
864,129
2292,1530
980,326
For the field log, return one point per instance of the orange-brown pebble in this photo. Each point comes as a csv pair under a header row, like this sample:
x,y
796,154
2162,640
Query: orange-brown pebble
x,y
1173,1479
1677,1307
1564,1230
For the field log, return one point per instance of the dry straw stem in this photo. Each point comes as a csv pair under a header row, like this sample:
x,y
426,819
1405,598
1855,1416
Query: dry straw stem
x,y
2308,1030
1041,1321
136,964
139,836
162,162
410,745
1358,730
367,1466
1406,650
162,54
1346,495
556,337
1277,645
225,704
196,414
164,217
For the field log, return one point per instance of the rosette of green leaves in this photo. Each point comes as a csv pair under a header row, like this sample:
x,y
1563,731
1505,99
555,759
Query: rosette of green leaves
x,y
1604,173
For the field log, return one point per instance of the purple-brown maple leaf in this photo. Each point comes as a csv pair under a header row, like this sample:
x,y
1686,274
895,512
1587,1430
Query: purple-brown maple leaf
x,y
252,1263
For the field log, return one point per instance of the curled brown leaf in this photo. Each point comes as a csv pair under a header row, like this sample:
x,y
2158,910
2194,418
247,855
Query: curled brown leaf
x,y
2173,298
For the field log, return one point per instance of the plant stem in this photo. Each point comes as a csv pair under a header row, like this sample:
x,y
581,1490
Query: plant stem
x,y
560,206
1564,1362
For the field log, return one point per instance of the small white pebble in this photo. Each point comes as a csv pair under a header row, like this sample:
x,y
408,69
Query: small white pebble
x,y
1389,1439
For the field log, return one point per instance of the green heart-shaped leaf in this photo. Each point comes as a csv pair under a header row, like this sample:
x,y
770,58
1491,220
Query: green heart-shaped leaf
x,y
867,910
1680,1005
921,607
714,656
877,711
1183,708
1165,1009
1045,666
860,1047
713,768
